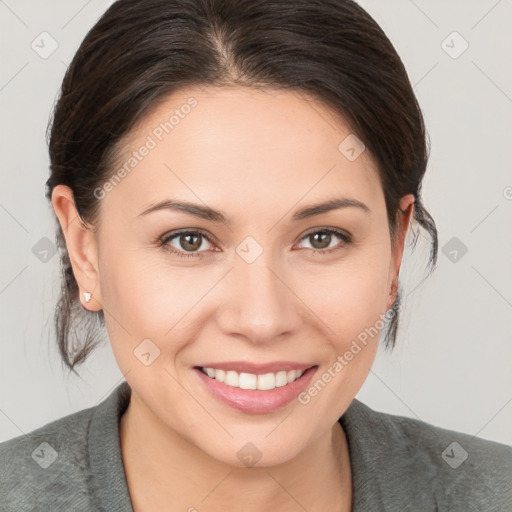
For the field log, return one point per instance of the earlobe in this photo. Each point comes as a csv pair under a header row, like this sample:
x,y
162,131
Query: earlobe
x,y
81,246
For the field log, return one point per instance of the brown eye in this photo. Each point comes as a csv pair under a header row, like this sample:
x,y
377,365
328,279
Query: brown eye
x,y
321,240
185,242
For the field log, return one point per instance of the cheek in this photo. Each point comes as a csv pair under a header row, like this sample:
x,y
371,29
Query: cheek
x,y
350,297
145,298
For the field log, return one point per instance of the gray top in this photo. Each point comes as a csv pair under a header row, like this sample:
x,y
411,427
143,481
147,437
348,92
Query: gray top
x,y
398,464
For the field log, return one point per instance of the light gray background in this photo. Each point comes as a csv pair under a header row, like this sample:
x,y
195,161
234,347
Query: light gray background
x,y
452,364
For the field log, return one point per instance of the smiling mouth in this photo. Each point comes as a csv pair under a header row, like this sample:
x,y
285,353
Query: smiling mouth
x,y
260,381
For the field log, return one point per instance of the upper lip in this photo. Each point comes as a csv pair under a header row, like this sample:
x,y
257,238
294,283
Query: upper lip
x,y
257,369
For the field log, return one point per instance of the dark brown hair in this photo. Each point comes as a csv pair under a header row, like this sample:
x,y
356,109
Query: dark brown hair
x,y
141,51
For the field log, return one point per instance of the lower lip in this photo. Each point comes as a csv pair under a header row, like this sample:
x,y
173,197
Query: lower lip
x,y
255,400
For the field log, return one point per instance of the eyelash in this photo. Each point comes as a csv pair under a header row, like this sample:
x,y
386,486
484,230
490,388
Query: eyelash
x,y
165,239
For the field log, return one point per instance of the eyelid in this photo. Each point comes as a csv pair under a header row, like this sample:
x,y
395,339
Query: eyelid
x,y
174,233
338,231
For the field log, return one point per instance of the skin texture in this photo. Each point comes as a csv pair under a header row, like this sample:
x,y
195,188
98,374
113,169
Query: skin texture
x,y
259,156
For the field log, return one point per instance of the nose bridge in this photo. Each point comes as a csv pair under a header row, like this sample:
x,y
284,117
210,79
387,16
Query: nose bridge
x,y
260,305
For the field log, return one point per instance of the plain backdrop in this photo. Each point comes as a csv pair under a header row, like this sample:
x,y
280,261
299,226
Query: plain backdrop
x,y
452,363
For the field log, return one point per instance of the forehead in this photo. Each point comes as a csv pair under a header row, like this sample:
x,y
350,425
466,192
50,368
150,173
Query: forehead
x,y
245,144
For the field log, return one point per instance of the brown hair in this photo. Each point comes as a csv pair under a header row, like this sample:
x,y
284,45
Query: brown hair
x,y
140,51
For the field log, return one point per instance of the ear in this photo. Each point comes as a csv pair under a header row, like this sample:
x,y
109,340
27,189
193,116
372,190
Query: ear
x,y
81,245
404,216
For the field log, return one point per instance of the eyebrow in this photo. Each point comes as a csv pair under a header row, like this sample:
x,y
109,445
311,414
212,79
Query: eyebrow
x,y
218,216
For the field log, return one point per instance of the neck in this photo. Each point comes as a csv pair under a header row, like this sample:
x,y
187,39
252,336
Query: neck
x,y
171,470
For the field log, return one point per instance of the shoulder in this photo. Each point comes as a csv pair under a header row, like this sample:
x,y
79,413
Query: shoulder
x,y
461,471
47,467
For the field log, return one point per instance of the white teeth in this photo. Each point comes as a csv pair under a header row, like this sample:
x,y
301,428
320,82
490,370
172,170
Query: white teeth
x,y
266,381
231,378
281,379
247,381
291,375
262,382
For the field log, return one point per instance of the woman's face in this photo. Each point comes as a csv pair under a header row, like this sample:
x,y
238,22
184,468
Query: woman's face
x,y
264,285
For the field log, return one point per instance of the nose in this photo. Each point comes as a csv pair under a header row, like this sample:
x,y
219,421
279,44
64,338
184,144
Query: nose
x,y
258,303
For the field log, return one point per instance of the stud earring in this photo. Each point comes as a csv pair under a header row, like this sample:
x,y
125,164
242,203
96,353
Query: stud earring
x,y
87,296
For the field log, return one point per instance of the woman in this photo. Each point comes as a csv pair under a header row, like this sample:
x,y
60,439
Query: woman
x,y
234,182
